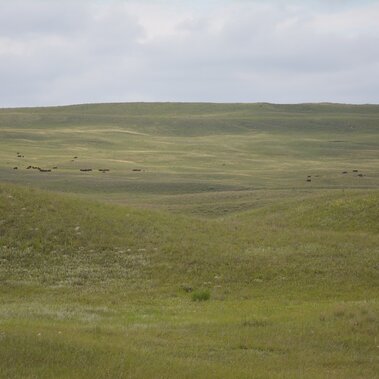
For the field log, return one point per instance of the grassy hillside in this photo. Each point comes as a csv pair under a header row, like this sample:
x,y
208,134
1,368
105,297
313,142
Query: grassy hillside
x,y
94,290
226,240
192,157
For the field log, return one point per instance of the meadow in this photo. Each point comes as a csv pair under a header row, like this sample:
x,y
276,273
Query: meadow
x,y
226,240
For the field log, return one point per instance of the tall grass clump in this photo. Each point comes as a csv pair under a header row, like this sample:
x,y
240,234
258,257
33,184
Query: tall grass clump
x,y
201,295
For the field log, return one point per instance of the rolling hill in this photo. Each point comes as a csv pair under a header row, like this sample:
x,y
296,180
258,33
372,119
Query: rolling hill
x,y
217,259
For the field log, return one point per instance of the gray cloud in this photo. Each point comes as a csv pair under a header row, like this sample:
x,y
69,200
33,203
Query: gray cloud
x,y
85,51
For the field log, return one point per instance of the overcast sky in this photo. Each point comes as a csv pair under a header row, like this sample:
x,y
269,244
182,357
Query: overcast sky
x,y
68,52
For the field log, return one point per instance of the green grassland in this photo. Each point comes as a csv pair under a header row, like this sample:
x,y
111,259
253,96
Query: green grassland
x,y
204,159
100,272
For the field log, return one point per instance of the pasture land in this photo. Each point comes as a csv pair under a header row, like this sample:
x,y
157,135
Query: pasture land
x,y
203,159
218,259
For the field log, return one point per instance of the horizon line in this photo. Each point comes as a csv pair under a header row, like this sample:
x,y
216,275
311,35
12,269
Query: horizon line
x,y
187,102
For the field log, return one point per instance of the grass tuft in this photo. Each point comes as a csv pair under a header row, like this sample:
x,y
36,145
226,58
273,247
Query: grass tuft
x,y
201,295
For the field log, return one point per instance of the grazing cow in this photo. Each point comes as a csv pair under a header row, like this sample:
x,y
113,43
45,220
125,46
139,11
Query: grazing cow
x,y
29,167
136,169
86,169
355,170
55,167
44,170
75,157
104,169
15,168
360,175
344,172
309,180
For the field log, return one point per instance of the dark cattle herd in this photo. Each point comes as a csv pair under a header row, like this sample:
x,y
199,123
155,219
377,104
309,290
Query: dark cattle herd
x,y
104,170
343,172
30,167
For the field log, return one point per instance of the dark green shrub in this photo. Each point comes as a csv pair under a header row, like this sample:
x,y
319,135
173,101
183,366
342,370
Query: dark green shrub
x,y
201,295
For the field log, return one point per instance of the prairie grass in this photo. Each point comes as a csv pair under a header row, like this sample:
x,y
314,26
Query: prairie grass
x,y
98,270
207,160
113,301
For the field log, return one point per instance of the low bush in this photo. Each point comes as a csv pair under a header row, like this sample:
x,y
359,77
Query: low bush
x,y
201,295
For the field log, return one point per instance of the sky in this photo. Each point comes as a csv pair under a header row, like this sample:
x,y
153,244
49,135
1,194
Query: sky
x,y
82,51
